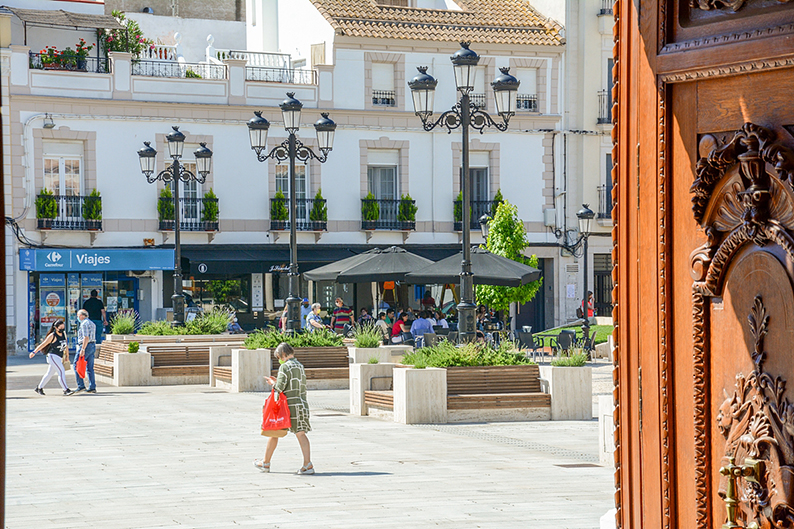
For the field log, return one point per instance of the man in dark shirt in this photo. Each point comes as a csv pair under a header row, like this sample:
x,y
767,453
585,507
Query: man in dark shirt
x,y
96,313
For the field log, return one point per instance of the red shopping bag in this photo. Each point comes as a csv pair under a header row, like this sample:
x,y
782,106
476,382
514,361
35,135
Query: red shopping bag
x,y
275,416
80,366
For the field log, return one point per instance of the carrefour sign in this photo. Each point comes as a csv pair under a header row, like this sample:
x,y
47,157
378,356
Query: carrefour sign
x,y
87,259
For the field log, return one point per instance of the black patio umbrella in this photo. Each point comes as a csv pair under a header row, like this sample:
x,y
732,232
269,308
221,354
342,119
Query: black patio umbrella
x,y
390,264
331,271
487,268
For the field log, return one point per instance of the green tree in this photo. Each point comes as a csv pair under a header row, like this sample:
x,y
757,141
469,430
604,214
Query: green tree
x,y
498,199
278,207
210,213
92,206
319,211
165,206
46,205
370,210
407,210
508,237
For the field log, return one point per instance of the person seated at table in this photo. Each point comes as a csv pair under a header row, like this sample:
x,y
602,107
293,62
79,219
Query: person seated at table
x,y
234,327
390,318
313,320
441,320
400,328
383,325
364,318
421,325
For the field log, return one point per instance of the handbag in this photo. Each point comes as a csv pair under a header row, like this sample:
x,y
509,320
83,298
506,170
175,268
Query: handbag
x,y
65,360
80,366
275,416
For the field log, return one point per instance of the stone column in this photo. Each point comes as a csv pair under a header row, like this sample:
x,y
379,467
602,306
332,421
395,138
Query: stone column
x,y
571,390
121,69
236,80
420,395
249,369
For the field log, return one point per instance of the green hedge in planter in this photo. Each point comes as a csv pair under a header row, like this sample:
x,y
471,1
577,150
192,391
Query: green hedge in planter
x,y
407,211
210,213
165,206
319,211
278,207
271,339
213,322
46,205
370,210
92,206
446,354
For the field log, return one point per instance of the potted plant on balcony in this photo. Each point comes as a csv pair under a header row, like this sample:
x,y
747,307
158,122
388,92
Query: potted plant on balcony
x,y
370,212
92,211
46,209
165,209
406,213
210,214
50,58
81,53
130,39
318,215
279,214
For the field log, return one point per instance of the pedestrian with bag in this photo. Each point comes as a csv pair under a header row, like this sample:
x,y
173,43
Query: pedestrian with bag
x,y
55,346
86,349
291,383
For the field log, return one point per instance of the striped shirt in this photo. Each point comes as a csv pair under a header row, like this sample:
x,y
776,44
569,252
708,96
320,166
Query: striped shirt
x,y
87,328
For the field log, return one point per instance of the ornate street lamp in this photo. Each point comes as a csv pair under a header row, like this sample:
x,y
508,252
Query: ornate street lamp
x,y
484,220
465,115
292,149
585,216
175,173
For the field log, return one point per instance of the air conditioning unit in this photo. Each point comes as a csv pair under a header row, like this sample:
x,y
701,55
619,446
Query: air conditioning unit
x,y
140,273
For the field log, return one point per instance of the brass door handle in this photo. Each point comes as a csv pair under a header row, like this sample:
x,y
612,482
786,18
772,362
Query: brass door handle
x,y
751,471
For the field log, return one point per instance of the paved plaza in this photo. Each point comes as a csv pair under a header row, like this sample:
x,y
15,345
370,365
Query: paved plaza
x,y
180,457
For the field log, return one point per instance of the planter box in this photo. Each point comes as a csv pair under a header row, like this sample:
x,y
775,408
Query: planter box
x,y
385,354
571,390
249,368
420,395
363,378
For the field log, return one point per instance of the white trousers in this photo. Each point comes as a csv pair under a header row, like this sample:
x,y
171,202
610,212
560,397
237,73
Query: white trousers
x,y
55,367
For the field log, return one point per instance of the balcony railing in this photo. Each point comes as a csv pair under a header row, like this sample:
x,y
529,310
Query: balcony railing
x,y
604,201
160,52
384,98
606,7
388,215
179,70
70,212
528,102
478,100
478,209
281,75
604,107
195,214
256,58
303,212
71,63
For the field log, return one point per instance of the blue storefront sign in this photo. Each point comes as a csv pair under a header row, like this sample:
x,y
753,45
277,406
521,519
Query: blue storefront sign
x,y
90,260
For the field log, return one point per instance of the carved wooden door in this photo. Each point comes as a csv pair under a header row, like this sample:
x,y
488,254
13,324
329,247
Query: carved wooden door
x,y
704,263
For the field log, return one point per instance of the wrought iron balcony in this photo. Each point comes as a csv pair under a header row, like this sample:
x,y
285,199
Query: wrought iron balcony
x,y
528,102
604,107
179,70
606,7
384,98
310,213
281,75
195,214
62,212
384,215
479,100
478,209
604,201
69,62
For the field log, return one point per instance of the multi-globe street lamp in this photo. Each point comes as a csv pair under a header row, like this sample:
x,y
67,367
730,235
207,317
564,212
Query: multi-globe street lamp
x,y
292,149
585,217
175,173
465,115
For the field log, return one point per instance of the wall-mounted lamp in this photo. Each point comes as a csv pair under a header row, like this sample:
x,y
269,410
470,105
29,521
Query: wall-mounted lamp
x,y
48,122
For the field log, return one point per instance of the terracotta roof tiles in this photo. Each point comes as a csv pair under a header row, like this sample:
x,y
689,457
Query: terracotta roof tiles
x,y
487,21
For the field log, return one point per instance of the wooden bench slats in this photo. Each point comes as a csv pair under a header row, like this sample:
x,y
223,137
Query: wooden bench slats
x,y
180,371
495,387
223,373
381,399
491,400
103,369
317,373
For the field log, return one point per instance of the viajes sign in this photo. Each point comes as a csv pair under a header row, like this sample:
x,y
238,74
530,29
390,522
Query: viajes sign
x,y
83,259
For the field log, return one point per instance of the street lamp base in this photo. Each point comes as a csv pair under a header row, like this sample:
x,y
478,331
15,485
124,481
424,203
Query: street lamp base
x,y
467,322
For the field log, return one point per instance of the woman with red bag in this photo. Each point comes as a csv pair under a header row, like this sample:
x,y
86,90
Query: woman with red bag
x,y
291,381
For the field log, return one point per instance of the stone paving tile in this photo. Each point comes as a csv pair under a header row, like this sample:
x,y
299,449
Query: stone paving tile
x,y
168,457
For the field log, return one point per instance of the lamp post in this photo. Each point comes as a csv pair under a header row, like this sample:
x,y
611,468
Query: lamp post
x,y
465,115
292,149
585,216
175,173
484,228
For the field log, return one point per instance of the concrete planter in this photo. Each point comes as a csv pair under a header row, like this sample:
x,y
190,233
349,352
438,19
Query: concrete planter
x,y
249,368
132,369
364,377
571,390
420,395
384,354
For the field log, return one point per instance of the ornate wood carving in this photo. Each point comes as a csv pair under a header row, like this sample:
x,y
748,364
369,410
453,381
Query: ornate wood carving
x,y
724,71
616,204
742,195
732,5
757,422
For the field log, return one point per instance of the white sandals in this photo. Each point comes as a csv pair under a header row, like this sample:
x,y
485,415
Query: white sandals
x,y
261,465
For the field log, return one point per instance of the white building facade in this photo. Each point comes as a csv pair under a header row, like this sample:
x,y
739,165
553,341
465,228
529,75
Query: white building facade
x,y
77,130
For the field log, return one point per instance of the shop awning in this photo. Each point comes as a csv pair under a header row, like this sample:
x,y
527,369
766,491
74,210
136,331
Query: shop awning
x,y
61,18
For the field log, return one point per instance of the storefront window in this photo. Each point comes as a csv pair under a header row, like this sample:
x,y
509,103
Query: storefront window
x,y
227,292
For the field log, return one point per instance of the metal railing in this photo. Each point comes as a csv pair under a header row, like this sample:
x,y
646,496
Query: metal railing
x,y
528,102
70,212
388,217
605,201
195,214
604,106
384,98
70,63
303,212
606,7
281,75
478,209
179,70
256,58
479,100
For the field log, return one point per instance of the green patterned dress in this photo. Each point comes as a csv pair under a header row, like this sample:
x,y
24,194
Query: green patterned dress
x,y
291,381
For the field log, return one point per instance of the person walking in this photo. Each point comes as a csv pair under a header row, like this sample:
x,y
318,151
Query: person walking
x,y
96,313
86,347
342,316
54,345
291,381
